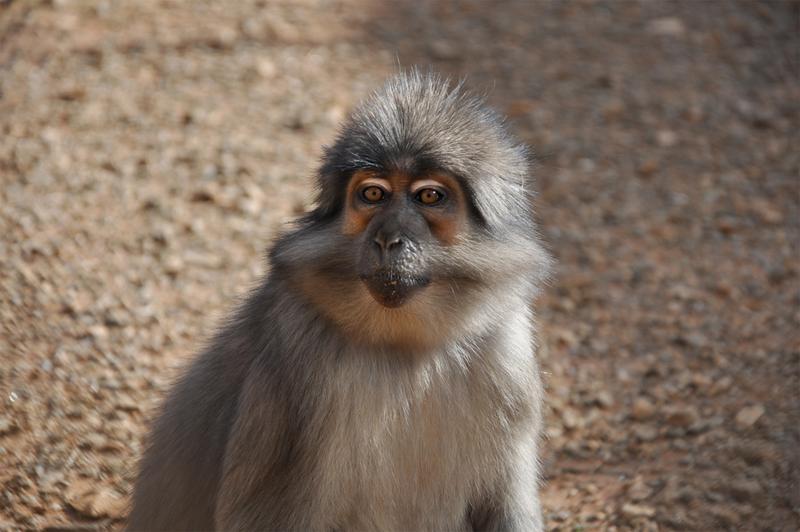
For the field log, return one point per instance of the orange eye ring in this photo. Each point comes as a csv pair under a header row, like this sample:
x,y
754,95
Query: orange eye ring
x,y
429,196
372,194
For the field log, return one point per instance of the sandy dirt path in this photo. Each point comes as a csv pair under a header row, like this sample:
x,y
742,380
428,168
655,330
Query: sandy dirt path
x,y
150,150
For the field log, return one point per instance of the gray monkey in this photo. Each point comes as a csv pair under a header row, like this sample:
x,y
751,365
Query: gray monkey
x,y
383,375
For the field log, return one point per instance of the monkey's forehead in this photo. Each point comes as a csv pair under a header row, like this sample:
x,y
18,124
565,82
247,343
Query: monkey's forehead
x,y
423,120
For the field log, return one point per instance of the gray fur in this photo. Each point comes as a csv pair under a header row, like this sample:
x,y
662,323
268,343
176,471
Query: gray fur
x,y
316,408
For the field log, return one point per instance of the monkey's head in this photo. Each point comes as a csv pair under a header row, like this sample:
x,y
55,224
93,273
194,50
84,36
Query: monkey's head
x,y
422,229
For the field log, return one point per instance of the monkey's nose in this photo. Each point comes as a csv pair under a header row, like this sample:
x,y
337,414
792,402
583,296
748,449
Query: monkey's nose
x,y
388,243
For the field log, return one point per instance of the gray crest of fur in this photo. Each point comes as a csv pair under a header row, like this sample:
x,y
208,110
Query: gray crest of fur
x,y
422,117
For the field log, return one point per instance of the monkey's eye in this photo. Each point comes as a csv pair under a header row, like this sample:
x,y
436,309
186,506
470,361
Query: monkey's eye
x,y
429,196
373,194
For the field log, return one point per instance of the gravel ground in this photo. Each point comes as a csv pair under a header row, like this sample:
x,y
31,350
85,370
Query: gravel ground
x,y
150,150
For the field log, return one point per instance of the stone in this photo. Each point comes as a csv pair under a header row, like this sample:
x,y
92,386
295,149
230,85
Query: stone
x,y
637,510
667,26
745,489
749,415
108,503
7,426
647,167
570,419
645,433
91,500
642,409
721,386
639,490
444,50
666,138
682,417
604,399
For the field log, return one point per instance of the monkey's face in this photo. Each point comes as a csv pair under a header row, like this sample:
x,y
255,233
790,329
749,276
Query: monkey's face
x,y
399,221
408,262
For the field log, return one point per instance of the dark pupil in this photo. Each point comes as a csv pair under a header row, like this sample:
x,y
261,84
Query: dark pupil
x,y
373,194
429,196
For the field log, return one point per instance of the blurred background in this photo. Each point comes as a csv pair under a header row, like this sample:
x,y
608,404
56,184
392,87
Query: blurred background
x,y
151,149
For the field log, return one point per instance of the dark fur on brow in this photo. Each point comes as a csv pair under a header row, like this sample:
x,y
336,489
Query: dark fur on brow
x,y
315,408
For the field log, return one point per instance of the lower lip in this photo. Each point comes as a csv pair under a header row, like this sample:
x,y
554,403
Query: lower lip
x,y
389,297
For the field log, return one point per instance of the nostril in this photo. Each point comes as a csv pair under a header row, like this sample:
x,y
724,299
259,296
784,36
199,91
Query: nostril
x,y
386,244
394,242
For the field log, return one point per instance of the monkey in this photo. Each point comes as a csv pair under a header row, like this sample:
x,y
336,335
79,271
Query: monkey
x,y
383,374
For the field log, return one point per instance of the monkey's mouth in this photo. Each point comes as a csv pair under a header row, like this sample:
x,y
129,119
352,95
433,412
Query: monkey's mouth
x,y
391,289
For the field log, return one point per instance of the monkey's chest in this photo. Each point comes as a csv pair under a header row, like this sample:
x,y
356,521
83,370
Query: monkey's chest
x,y
403,461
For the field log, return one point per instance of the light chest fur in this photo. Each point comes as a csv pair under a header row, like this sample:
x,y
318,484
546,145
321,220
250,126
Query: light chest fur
x,y
409,449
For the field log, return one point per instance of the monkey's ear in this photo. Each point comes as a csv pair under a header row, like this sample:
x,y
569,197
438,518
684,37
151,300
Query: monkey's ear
x,y
329,201
332,177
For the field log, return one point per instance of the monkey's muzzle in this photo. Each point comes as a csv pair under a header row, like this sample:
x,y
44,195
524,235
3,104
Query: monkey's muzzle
x,y
391,289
